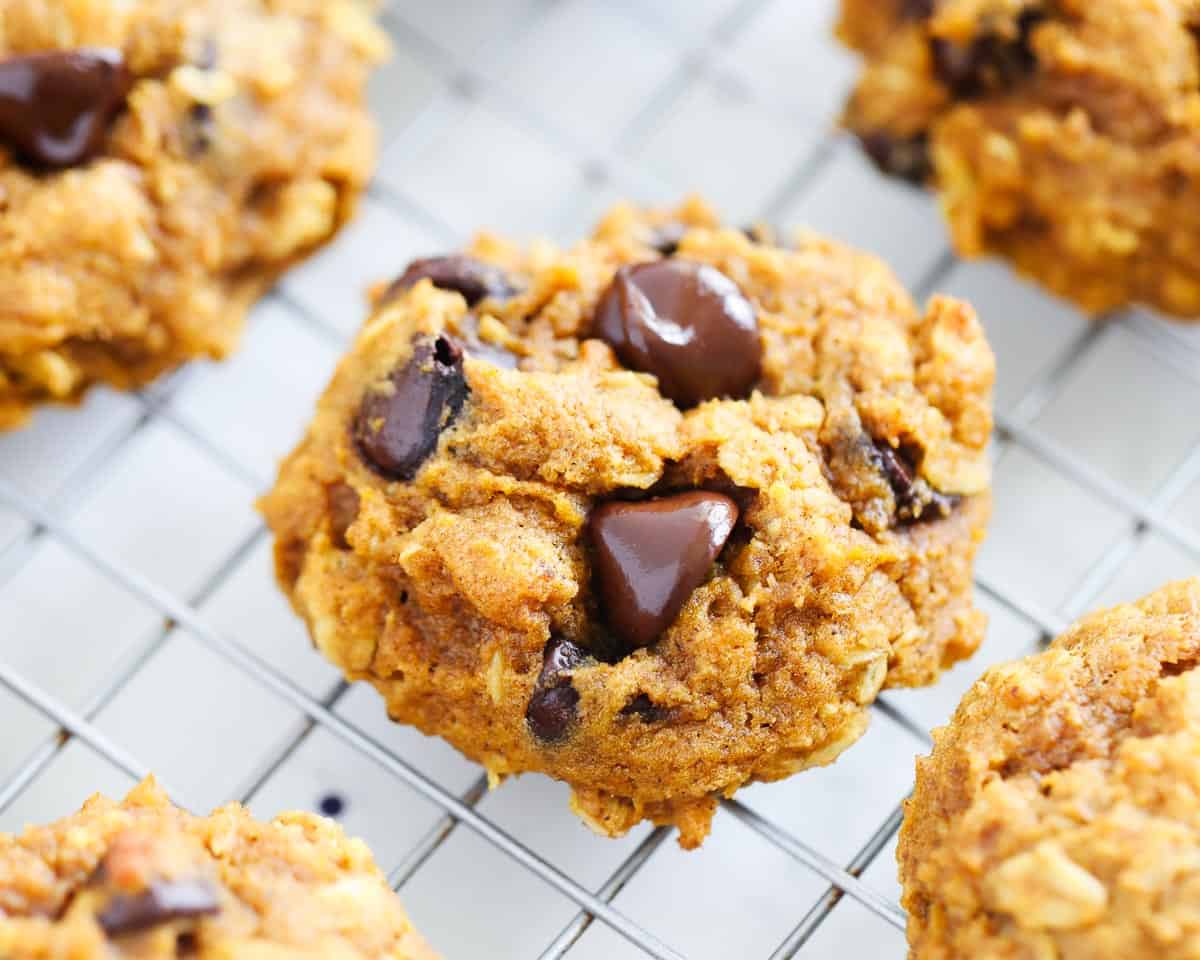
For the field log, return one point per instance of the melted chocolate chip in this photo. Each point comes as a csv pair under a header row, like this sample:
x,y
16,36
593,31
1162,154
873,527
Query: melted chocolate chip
x,y
650,556
342,501
474,279
55,108
686,323
904,157
551,711
399,422
162,902
916,500
989,62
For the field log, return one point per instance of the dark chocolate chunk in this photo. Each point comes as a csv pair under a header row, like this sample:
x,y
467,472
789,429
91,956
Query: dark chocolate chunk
x,y
56,107
650,556
551,711
162,902
400,420
904,157
474,279
686,323
990,62
342,501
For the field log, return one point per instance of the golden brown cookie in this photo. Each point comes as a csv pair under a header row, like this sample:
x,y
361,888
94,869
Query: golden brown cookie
x,y
1062,134
658,515
144,879
1059,813
161,161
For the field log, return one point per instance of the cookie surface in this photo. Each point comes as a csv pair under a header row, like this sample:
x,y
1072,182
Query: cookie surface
x,y
161,161
657,516
1061,135
144,879
1059,813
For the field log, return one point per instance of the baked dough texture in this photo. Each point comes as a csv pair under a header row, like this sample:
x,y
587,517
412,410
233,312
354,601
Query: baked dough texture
x,y
143,879
240,147
1059,812
1061,134
828,517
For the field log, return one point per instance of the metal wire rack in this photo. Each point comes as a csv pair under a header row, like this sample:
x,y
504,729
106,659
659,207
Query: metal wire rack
x,y
464,59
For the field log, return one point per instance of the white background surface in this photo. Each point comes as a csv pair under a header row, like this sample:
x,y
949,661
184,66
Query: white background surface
x,y
529,117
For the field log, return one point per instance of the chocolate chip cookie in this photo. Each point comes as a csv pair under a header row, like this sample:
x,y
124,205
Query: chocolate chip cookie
x,y
161,161
1058,815
1061,134
142,878
657,515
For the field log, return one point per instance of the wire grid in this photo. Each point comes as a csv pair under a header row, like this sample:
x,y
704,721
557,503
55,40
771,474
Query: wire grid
x,y
708,48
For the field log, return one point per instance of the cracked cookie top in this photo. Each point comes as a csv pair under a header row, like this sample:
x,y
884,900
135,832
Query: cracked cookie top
x,y
144,879
658,514
1059,812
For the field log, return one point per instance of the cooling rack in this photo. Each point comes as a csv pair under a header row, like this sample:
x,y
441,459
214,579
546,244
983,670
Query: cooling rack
x,y
139,628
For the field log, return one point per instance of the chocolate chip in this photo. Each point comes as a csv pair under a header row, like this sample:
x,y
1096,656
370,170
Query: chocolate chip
x,y
560,656
342,501
904,157
162,902
553,705
990,62
55,107
916,500
473,278
665,239
399,421
551,711
643,708
686,323
650,556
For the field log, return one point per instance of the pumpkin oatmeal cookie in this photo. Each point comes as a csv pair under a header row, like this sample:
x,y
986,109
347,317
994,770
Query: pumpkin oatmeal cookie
x,y
1061,134
161,162
658,515
144,879
1059,813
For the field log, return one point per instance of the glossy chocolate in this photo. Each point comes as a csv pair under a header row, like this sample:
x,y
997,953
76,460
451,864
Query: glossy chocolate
x,y
686,323
399,421
650,556
56,107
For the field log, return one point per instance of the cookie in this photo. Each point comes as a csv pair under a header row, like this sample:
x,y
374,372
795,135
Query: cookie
x,y
657,515
161,161
1059,813
142,878
1061,135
